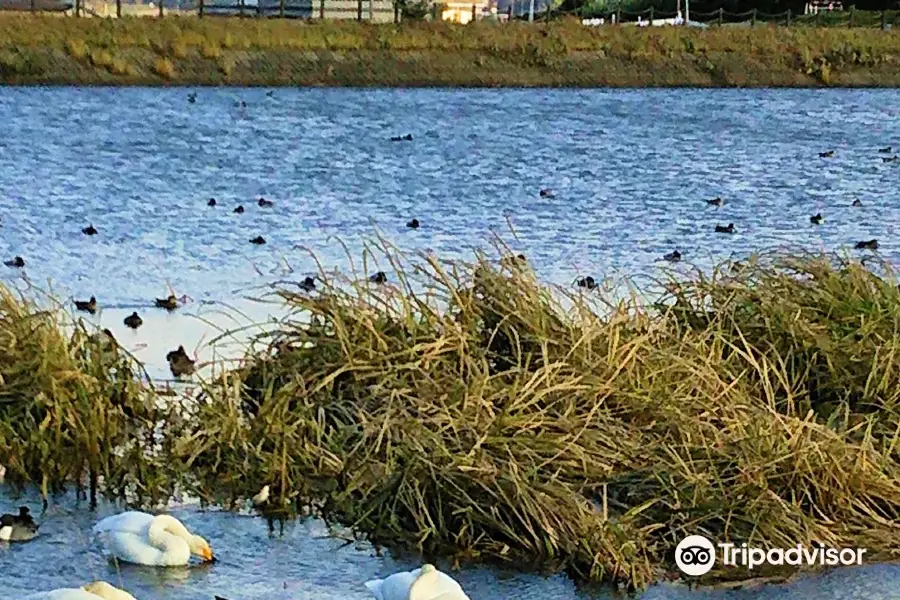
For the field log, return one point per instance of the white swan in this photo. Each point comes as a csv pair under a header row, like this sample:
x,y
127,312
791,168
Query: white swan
x,y
425,583
98,590
160,541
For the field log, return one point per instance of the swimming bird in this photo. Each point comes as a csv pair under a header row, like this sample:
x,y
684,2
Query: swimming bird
x,y
170,303
133,320
856,202
308,284
270,94
89,230
547,193
867,245
827,154
144,539
239,210
715,201
192,97
729,229
378,277
885,150
258,240
211,202
89,306
180,363
17,262
586,282
413,224
402,138
890,159
98,590
673,256
18,528
425,583
816,219
262,202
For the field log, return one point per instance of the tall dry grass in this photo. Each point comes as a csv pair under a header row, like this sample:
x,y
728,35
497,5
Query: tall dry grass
x,y
467,410
74,407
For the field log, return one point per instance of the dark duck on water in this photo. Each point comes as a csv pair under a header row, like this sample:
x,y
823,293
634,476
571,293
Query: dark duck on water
x,y
17,262
133,320
170,303
721,229
90,230
180,363
18,528
88,306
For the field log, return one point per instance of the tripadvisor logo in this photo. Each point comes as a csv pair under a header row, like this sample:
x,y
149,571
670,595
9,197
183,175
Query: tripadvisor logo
x,y
696,556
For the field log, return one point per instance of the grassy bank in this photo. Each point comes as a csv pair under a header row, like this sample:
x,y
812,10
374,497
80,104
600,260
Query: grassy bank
x,y
467,413
190,51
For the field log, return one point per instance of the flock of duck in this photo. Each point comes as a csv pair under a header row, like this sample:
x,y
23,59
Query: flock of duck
x,y
163,541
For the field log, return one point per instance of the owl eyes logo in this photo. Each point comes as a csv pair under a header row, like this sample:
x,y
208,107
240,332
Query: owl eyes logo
x,y
695,555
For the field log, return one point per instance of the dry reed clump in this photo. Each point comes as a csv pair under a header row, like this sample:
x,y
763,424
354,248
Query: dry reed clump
x,y
470,411
73,409
164,68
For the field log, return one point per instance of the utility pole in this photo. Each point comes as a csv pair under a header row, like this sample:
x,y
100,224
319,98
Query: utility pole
x,y
531,12
687,12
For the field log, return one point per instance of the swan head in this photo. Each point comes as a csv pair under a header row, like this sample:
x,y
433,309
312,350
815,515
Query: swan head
x,y
426,568
200,547
106,591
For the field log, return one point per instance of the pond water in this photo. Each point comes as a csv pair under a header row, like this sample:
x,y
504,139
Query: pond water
x,y
630,171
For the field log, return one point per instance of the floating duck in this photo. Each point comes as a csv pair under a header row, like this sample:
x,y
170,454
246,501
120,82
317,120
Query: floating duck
x,y
17,262
547,193
402,138
586,282
89,230
156,541
192,97
180,363
89,306
816,219
856,202
827,154
270,94
239,210
308,284
98,590
425,583
133,320
18,528
890,159
258,240
715,201
262,202
170,303
211,202
673,256
413,224
378,277
867,245
729,229
885,150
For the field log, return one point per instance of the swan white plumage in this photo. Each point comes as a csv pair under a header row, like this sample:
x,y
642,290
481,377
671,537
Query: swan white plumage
x,y
98,590
144,539
425,583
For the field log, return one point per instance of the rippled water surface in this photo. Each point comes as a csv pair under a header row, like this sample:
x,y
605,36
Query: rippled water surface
x,y
630,171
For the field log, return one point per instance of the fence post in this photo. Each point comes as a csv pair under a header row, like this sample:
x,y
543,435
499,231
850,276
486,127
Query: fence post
x,y
359,10
242,8
721,15
259,8
788,17
321,9
161,2
651,16
200,9
618,16
281,8
396,12
753,18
